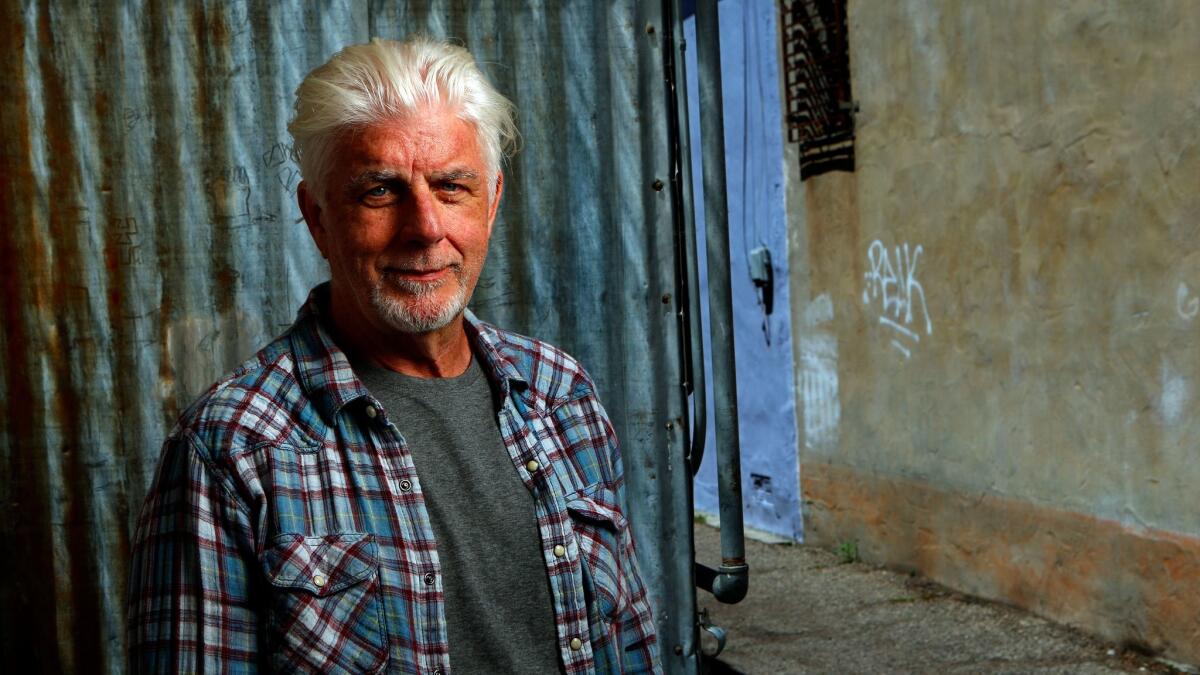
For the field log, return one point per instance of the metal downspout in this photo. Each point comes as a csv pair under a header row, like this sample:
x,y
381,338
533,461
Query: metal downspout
x,y
730,582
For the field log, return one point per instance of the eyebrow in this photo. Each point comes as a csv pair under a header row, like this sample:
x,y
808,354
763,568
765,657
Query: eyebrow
x,y
385,176
455,174
373,176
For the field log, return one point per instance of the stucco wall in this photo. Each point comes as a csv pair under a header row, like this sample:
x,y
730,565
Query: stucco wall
x,y
997,316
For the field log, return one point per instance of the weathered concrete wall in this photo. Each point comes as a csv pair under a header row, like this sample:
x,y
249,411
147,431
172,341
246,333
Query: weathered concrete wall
x,y
998,318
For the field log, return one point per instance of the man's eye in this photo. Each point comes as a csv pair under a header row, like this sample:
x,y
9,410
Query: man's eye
x,y
378,191
451,187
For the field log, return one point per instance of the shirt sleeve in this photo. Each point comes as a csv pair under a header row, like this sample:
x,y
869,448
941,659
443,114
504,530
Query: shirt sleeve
x,y
639,649
189,605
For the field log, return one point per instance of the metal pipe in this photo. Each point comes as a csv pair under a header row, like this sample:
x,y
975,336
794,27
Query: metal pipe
x,y
730,581
685,223
695,326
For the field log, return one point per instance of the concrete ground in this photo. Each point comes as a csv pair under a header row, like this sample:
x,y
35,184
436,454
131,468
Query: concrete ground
x,y
810,611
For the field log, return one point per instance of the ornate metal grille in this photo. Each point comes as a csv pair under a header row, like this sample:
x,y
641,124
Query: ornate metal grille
x,y
817,67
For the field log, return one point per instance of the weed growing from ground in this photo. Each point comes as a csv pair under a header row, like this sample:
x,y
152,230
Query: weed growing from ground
x,y
848,552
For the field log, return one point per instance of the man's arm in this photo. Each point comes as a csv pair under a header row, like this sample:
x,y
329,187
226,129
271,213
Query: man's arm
x,y
189,606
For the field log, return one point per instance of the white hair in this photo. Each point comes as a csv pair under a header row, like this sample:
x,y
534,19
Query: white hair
x,y
385,80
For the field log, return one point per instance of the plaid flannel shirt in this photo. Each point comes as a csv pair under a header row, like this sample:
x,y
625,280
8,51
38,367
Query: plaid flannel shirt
x,y
286,527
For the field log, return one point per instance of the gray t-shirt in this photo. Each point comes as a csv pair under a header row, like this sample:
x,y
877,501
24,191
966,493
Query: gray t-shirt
x,y
499,613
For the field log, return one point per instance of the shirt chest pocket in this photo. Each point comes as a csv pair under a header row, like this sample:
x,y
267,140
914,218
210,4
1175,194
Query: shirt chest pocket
x,y
600,530
325,614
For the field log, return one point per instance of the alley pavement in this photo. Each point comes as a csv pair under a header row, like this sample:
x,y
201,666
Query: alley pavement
x,y
815,611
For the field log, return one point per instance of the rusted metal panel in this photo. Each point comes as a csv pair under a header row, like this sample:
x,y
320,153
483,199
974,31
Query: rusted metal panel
x,y
151,242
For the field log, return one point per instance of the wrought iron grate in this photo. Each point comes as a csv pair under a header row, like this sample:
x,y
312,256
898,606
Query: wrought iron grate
x,y
820,108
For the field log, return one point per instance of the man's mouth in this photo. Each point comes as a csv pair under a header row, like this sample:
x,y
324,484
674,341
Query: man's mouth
x,y
419,274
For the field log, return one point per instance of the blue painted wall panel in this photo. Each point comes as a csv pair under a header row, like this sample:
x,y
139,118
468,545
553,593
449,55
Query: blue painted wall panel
x,y
757,218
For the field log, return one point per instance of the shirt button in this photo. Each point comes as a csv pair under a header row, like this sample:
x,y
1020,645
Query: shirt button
x,y
576,644
405,485
372,412
429,578
532,465
560,551
319,580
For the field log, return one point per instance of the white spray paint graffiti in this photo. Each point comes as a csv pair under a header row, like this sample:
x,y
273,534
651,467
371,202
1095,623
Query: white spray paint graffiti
x,y
1176,394
1186,304
892,278
818,379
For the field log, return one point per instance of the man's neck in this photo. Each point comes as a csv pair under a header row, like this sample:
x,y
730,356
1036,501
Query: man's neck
x,y
445,352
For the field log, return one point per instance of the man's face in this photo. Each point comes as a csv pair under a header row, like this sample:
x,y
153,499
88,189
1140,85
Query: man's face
x,y
404,221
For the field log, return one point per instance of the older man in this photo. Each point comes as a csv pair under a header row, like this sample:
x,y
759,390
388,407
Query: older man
x,y
393,485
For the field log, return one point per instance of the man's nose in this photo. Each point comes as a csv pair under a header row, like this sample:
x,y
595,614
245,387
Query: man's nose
x,y
421,223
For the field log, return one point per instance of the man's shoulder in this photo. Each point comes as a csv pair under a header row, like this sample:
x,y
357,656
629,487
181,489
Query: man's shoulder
x,y
260,401
554,376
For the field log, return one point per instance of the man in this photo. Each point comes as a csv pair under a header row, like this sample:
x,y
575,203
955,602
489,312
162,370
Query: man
x,y
393,485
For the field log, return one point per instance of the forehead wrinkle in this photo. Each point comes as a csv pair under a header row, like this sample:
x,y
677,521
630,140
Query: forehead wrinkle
x,y
410,149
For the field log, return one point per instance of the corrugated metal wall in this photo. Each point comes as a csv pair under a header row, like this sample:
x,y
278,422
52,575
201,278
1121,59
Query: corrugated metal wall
x,y
150,241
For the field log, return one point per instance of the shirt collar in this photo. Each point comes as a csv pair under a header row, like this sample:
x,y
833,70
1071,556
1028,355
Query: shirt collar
x,y
323,368
489,346
325,372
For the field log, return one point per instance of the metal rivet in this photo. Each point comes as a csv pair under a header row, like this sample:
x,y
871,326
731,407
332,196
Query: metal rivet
x,y
649,29
670,426
532,465
678,649
319,580
576,644
430,578
372,412
405,485
657,185
560,551
666,298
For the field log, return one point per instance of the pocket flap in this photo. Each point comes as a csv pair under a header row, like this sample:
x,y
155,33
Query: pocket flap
x,y
597,503
321,564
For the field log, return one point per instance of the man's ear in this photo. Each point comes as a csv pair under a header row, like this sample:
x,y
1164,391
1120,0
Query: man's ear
x,y
311,210
495,205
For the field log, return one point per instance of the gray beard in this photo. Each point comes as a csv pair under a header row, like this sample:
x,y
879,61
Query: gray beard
x,y
403,316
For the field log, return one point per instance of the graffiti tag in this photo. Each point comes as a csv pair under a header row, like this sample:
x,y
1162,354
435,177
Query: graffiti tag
x,y
891,279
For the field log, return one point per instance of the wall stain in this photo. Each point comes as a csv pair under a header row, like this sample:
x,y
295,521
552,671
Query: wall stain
x,y
212,72
123,423
168,199
1122,582
69,349
30,612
